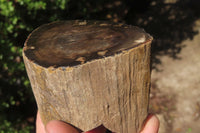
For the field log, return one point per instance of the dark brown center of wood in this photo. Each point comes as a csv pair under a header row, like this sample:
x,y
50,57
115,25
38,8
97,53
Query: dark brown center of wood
x,y
68,43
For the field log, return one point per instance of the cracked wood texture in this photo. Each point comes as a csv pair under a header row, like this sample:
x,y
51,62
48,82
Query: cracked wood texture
x,y
89,73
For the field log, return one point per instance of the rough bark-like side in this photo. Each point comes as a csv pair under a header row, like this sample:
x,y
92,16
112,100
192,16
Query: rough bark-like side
x,y
113,91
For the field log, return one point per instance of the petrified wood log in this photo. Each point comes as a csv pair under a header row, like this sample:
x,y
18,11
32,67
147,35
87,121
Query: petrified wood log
x,y
89,73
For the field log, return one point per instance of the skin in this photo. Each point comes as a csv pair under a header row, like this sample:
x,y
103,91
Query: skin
x,y
55,126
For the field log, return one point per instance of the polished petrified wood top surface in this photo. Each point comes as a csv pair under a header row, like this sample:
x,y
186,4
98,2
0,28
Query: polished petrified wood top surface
x,y
69,43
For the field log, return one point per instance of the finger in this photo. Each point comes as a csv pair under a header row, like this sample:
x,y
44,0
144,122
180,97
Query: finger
x,y
151,125
39,125
56,126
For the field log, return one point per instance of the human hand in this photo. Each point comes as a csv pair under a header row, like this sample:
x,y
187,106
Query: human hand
x,y
55,126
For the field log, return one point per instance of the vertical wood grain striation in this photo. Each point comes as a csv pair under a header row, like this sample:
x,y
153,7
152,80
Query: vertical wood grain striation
x,y
113,90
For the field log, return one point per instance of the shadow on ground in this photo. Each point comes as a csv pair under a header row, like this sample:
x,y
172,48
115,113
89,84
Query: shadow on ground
x,y
169,23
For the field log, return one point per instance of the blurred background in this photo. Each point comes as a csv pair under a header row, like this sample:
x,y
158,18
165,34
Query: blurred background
x,y
174,24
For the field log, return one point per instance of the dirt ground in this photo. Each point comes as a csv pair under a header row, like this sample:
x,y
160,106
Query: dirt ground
x,y
175,91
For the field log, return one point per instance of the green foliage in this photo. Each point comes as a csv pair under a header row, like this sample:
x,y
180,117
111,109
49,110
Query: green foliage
x,y
8,127
17,19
